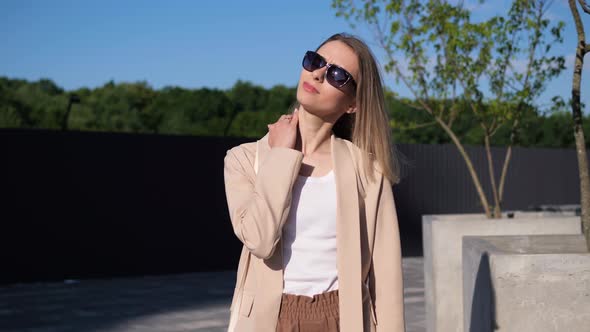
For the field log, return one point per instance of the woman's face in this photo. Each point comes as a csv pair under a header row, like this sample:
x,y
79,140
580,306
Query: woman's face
x,y
323,99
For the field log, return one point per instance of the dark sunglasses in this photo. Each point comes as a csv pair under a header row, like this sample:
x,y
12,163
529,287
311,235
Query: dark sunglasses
x,y
335,75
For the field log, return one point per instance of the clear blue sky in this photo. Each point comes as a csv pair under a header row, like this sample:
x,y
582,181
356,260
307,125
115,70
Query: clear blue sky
x,y
193,44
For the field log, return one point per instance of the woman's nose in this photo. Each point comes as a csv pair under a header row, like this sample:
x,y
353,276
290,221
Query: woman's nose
x,y
319,74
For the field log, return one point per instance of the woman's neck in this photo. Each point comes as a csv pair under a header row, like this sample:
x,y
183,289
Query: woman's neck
x,y
314,133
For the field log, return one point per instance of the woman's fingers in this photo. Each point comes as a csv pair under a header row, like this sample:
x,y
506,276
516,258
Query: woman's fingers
x,y
283,117
295,117
284,131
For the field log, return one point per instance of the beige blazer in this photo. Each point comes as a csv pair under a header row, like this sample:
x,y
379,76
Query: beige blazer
x,y
368,243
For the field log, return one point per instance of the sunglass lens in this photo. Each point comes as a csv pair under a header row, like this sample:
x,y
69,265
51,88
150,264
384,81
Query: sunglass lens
x,y
337,76
312,61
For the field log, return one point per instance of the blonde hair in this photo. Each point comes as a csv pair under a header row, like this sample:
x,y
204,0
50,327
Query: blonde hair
x,y
368,128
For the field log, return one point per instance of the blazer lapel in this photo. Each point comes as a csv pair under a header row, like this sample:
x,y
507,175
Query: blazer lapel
x,y
272,279
347,239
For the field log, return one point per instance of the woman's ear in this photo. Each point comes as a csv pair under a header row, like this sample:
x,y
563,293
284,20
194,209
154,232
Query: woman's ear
x,y
351,108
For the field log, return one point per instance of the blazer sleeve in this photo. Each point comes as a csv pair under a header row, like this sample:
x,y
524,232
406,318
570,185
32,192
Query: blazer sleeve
x,y
258,209
385,276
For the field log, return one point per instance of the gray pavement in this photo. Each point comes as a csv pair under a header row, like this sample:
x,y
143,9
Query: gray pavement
x,y
196,302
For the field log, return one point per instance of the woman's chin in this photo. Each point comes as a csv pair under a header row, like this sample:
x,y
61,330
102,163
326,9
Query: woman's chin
x,y
309,103
303,97
307,107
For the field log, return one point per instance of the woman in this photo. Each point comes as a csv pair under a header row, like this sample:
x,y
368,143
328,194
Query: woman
x,y
313,205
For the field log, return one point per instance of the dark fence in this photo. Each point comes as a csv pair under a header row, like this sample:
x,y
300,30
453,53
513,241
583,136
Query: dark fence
x,y
82,204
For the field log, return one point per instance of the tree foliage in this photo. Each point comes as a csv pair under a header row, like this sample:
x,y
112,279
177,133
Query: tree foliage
x,y
137,108
446,59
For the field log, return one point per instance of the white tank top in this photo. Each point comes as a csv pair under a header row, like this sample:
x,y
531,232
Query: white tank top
x,y
309,237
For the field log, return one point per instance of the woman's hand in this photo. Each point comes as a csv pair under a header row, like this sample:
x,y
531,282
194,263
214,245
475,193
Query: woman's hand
x,y
283,133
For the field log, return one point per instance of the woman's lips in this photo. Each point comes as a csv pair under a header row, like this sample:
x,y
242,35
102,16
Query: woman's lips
x,y
309,88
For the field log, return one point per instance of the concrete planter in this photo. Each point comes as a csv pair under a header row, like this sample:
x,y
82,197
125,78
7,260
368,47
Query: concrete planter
x,y
536,283
442,243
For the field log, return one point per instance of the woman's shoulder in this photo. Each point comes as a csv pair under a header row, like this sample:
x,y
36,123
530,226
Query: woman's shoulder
x,y
248,148
368,176
242,154
359,155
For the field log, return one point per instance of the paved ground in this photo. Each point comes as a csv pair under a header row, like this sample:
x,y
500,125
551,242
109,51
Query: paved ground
x,y
196,302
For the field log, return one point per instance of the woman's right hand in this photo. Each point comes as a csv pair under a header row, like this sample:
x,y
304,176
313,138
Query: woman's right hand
x,y
283,133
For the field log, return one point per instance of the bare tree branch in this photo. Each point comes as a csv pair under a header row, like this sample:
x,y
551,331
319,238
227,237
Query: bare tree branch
x,y
399,74
494,126
416,126
505,66
585,6
452,115
495,129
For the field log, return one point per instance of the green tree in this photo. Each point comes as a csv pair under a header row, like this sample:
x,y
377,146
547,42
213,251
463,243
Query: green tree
x,y
245,96
449,57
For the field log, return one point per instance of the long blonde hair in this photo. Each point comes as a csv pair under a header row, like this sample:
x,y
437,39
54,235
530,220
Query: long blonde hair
x,y
368,128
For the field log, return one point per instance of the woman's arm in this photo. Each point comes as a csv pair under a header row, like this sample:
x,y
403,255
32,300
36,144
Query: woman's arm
x,y
259,209
385,276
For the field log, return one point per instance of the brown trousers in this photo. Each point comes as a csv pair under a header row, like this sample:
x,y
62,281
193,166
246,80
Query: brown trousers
x,y
301,313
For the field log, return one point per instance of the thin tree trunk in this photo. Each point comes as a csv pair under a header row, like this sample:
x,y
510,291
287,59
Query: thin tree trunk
x,y
507,159
581,50
229,122
478,187
66,116
446,127
497,210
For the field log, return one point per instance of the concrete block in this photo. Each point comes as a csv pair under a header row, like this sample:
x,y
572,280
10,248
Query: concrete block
x,y
537,283
442,236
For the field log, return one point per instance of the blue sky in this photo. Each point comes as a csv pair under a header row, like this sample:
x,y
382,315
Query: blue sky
x,y
195,44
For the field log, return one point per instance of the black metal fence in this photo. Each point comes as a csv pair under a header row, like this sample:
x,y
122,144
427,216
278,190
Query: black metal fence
x,y
82,204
